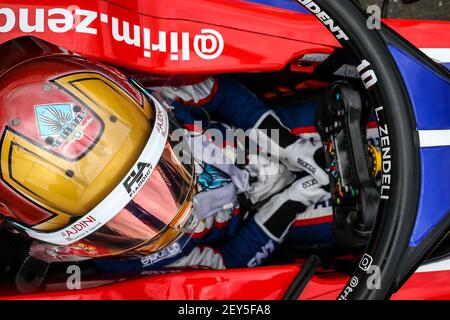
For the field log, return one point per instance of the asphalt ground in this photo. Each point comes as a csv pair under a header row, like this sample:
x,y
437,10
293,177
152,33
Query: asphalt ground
x,y
423,9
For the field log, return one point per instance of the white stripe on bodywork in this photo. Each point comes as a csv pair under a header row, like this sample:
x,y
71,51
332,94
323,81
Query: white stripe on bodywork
x,y
434,138
443,265
441,55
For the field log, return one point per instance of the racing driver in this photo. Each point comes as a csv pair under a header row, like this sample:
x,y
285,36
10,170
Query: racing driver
x,y
90,170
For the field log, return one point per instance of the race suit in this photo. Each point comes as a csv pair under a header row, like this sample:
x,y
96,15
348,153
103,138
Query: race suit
x,y
231,237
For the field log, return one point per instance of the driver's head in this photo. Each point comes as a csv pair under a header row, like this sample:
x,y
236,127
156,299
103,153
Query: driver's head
x,y
85,160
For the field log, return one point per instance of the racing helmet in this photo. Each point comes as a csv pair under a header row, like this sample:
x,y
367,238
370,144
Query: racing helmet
x,y
86,163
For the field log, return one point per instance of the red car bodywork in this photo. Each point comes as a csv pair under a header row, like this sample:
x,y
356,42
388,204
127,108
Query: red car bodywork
x,y
244,284
256,38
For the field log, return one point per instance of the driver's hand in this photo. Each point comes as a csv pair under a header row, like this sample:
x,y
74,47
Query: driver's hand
x,y
299,156
307,190
268,177
296,153
277,215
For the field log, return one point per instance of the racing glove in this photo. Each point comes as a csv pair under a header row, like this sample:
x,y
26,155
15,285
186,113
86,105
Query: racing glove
x,y
277,215
268,178
296,153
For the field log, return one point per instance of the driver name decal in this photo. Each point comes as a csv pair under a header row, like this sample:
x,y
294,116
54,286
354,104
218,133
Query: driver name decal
x,y
324,18
386,156
206,44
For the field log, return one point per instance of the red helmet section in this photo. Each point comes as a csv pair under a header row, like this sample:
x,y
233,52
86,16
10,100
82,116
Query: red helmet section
x,y
32,69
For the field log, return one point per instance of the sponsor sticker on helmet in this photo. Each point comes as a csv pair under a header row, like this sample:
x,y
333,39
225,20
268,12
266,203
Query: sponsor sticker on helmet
x,y
137,177
63,127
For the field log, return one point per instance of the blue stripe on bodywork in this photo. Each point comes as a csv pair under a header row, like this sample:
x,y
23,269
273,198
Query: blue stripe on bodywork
x,y
428,90
430,97
282,4
434,202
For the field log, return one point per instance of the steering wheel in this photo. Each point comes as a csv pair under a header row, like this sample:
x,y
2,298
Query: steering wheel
x,y
387,94
352,162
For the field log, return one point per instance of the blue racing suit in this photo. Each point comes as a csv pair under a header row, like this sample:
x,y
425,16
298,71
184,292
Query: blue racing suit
x,y
230,239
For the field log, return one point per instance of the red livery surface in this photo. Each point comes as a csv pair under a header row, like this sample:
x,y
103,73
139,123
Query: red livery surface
x,y
199,38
